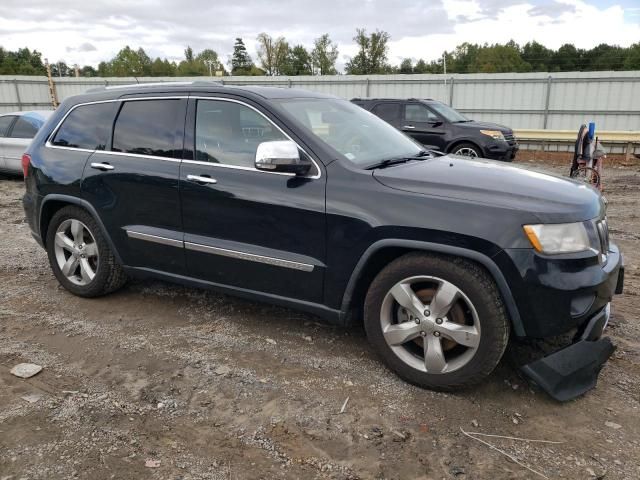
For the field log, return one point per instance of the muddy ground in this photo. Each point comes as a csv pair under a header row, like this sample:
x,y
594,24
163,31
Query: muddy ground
x,y
201,385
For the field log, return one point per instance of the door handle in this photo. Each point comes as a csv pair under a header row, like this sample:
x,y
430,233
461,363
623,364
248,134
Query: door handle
x,y
102,166
409,127
201,179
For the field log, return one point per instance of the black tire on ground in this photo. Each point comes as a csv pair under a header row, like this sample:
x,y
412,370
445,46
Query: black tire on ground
x,y
479,288
467,145
109,275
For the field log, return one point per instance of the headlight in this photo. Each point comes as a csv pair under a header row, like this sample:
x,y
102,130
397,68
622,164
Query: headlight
x,y
495,134
558,237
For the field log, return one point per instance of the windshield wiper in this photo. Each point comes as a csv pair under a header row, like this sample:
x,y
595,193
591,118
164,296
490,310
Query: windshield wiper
x,y
395,161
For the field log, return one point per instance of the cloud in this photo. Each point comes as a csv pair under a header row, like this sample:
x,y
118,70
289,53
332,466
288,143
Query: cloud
x,y
90,32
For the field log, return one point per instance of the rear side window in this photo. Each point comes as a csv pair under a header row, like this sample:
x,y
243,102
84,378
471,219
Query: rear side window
x,y
25,128
4,124
387,111
87,126
148,127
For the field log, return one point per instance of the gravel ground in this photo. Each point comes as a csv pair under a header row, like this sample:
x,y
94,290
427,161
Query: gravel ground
x,y
161,381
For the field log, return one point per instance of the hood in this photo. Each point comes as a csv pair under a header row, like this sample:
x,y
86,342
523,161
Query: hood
x,y
551,198
474,125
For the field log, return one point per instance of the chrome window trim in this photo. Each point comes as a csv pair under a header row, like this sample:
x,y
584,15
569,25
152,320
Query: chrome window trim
x,y
233,100
154,238
53,133
278,262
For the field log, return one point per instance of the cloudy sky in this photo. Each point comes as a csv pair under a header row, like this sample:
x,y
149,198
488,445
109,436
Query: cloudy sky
x,y
89,31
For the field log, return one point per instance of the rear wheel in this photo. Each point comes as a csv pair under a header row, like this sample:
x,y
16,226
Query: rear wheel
x,y
587,175
80,256
438,322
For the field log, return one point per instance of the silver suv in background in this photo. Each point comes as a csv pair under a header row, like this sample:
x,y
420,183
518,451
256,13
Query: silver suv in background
x,y
16,131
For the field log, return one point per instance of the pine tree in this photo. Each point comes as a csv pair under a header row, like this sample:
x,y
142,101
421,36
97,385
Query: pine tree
x,y
241,63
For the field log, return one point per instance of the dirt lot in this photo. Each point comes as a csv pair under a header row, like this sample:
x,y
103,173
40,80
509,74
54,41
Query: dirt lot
x,y
210,386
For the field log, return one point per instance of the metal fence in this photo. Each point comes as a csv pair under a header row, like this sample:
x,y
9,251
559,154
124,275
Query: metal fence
x,y
522,101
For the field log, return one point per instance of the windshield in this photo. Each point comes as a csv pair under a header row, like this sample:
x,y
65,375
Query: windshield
x,y
448,113
358,135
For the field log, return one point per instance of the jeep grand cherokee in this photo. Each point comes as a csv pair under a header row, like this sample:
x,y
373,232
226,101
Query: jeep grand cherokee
x,y
309,201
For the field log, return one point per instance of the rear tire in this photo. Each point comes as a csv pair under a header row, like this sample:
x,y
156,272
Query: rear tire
x,y
80,256
459,336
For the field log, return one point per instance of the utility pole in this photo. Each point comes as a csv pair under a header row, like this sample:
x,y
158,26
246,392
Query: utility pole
x,y
52,86
210,63
444,64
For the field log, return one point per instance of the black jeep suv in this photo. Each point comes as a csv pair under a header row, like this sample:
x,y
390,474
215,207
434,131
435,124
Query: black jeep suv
x,y
309,201
438,126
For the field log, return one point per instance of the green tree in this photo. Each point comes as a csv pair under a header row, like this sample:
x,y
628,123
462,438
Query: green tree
x,y
499,59
272,53
21,62
298,62
632,60
324,56
567,58
538,56
406,66
61,69
241,63
127,63
163,68
88,71
372,53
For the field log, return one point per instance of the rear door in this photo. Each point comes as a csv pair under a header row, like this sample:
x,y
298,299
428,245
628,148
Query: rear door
x,y
389,111
18,140
133,184
5,125
424,125
246,228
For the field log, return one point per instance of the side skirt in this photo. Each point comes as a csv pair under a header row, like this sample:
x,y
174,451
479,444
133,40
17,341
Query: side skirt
x,y
330,315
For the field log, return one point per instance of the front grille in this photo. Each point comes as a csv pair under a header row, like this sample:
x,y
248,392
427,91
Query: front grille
x,y
510,138
603,235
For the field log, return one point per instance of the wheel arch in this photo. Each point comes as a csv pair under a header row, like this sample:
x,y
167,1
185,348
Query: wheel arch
x,y
382,252
458,142
52,203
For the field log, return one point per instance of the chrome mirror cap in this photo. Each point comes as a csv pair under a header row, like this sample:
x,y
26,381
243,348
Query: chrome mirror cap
x,y
281,156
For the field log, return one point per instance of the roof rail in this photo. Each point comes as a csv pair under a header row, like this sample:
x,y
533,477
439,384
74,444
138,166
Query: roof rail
x,y
156,84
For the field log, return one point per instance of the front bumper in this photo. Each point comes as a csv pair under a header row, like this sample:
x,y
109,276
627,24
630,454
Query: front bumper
x,y
501,151
573,370
559,294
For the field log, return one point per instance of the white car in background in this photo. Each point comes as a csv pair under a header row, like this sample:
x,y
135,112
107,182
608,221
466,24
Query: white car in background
x,y
16,131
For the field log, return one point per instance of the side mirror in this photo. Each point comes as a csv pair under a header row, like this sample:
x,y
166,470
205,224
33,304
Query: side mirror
x,y
281,156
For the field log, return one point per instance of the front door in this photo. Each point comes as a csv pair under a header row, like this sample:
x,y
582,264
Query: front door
x,y
134,184
246,228
424,126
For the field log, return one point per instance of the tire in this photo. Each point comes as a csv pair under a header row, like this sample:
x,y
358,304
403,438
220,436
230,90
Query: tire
x,y
587,175
467,149
93,269
478,308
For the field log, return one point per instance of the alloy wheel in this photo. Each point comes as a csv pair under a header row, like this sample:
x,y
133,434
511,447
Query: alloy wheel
x,y
430,324
466,152
76,252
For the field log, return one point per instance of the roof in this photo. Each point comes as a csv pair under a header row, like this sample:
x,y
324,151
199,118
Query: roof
x,y
203,86
38,113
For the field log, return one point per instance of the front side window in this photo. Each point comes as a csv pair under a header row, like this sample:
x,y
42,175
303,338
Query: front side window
x,y
229,133
358,135
25,127
148,127
5,122
418,113
448,113
87,127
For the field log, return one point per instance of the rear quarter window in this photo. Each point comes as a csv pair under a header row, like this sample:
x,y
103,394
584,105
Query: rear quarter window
x,y
87,126
25,128
5,123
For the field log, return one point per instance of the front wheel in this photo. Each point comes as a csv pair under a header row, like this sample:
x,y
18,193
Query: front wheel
x,y
467,150
438,322
80,256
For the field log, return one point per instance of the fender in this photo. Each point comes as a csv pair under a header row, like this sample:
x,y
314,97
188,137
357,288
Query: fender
x,y
81,203
482,259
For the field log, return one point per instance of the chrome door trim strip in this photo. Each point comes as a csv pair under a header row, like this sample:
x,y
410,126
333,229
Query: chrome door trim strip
x,y
237,167
154,238
278,262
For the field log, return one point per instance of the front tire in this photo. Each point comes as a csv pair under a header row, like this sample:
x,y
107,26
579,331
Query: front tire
x,y
437,321
467,149
80,256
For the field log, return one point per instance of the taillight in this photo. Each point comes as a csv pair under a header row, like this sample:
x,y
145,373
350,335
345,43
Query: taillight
x,y
26,161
